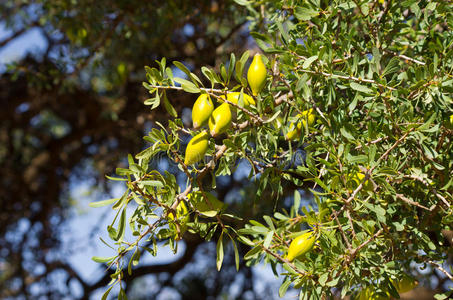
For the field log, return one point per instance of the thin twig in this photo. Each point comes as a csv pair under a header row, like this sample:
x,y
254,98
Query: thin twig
x,y
440,268
405,57
358,79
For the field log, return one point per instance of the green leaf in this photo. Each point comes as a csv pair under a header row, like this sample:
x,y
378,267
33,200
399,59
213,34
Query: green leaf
x,y
236,253
121,225
187,86
182,68
323,279
104,297
253,252
346,134
309,61
284,287
153,183
168,107
205,208
304,14
360,88
391,67
100,259
102,203
242,2
268,239
219,251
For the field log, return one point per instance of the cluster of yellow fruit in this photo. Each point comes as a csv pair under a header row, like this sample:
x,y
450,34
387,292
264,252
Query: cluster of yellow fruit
x,y
306,119
403,285
219,119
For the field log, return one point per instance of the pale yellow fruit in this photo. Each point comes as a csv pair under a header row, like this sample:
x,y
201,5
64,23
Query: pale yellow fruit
x,y
405,284
301,245
368,294
293,133
256,75
356,179
181,211
234,98
182,215
201,111
220,119
196,149
307,119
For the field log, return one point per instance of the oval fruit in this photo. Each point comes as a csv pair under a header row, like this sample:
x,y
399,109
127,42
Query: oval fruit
x,y
220,119
357,178
307,119
301,245
405,284
181,210
234,98
293,133
256,74
197,148
201,111
368,294
182,215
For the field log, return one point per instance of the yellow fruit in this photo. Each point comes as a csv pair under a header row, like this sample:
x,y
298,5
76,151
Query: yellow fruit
x,y
234,98
405,284
201,111
181,211
256,75
368,294
357,179
182,215
363,295
220,119
293,132
307,119
197,147
301,245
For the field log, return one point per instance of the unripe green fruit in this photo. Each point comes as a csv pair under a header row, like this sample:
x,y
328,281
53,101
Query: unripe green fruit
x,y
234,98
301,245
197,147
201,111
220,119
256,75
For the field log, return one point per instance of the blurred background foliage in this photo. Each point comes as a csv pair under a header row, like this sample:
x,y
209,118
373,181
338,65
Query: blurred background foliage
x,y
72,109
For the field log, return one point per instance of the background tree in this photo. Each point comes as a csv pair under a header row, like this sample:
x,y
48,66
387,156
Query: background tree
x,y
73,110
367,87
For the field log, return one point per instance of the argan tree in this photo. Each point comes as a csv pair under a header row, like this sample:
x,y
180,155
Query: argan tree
x,y
347,142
